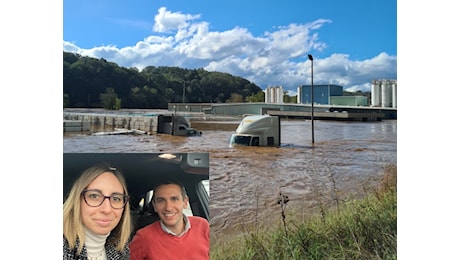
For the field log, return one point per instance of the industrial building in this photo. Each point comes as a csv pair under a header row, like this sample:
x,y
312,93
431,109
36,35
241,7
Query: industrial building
x,y
349,101
328,94
274,95
327,98
322,94
383,93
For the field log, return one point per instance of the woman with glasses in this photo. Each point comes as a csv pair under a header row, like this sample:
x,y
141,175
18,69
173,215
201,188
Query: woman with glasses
x,y
97,221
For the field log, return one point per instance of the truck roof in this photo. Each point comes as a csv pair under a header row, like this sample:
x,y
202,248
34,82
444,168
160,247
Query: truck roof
x,y
255,123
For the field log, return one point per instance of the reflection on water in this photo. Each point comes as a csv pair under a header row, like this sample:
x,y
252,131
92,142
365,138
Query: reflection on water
x,y
245,182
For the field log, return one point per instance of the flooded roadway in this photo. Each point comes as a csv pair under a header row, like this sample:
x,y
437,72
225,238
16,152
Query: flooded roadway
x,y
346,159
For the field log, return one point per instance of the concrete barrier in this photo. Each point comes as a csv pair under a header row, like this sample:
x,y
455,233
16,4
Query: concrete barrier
x,y
147,124
76,126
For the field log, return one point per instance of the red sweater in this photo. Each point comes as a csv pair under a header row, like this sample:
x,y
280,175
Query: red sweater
x,y
151,242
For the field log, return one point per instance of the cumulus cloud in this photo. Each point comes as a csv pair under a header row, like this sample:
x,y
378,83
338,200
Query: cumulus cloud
x,y
167,21
274,58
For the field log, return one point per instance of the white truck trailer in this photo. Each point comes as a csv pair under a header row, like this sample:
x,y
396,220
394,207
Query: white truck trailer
x,y
257,130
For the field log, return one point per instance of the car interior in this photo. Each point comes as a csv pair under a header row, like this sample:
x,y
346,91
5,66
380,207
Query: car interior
x,y
142,171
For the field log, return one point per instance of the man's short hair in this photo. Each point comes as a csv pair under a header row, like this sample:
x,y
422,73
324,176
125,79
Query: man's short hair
x,y
168,181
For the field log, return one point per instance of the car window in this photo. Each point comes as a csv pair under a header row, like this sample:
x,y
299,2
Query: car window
x,y
188,211
205,183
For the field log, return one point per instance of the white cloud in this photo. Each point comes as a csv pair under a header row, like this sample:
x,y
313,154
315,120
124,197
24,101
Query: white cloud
x,y
166,21
275,58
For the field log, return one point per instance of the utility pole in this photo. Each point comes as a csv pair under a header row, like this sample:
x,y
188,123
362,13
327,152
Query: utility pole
x,y
312,102
183,93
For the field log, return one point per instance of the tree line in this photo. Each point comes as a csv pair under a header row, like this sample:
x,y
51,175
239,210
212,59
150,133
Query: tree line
x,y
90,82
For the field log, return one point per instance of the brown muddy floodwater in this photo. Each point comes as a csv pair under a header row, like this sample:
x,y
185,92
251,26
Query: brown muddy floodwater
x,y
347,159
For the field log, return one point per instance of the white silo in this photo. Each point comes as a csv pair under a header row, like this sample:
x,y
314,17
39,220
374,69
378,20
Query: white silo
x,y
280,94
267,90
274,94
376,93
299,94
393,88
386,93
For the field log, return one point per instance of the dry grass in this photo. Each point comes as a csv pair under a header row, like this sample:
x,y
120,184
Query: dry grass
x,y
389,179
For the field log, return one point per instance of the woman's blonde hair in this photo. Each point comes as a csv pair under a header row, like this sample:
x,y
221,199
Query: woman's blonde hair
x,y
73,225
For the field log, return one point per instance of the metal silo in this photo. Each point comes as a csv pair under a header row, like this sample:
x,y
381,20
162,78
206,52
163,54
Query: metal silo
x,y
393,88
299,95
376,93
386,93
268,99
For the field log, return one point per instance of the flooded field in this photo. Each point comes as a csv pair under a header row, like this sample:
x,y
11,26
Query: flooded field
x,y
346,159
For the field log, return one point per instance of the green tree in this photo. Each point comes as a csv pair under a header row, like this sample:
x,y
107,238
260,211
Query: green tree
x,y
289,99
169,94
235,98
258,97
86,78
110,99
66,100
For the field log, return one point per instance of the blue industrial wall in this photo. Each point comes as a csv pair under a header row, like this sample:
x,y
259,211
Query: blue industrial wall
x,y
321,93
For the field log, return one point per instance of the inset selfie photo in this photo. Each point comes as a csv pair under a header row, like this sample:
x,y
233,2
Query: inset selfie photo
x,y
136,205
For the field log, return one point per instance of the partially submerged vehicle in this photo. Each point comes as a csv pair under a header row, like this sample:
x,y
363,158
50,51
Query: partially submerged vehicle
x,y
175,125
257,130
142,171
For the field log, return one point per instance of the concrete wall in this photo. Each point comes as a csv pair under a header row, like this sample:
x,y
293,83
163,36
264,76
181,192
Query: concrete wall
x,y
76,126
148,124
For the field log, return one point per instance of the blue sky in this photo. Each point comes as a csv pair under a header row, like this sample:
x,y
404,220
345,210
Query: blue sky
x,y
266,42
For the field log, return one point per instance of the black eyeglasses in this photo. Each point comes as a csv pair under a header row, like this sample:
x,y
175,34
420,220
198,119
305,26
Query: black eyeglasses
x,y
95,198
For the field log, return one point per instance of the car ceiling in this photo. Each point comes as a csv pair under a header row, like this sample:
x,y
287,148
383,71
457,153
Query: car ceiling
x,y
141,170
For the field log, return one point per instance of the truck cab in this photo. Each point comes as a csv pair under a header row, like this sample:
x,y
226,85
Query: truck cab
x,y
257,130
175,125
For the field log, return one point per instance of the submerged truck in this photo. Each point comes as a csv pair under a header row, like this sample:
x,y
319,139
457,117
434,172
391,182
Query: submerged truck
x,y
257,130
175,125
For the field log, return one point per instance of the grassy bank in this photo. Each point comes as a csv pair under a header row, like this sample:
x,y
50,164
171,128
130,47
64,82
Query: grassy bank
x,y
358,229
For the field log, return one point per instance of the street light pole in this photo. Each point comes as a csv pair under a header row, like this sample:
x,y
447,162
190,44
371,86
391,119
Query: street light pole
x,y
183,93
312,102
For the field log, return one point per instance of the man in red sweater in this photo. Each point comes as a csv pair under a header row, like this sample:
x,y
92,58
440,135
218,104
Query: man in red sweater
x,y
175,236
